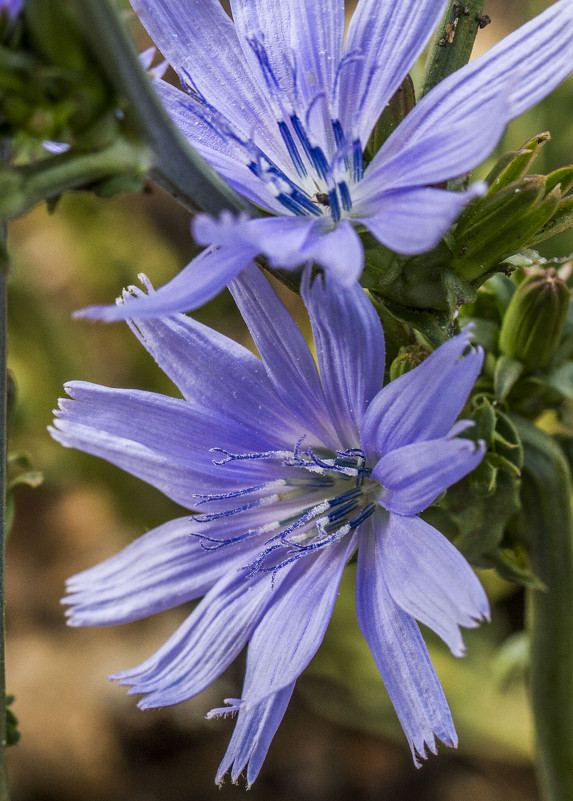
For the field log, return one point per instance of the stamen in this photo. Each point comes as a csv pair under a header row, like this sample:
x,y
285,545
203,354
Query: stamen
x,y
223,496
240,457
364,515
266,501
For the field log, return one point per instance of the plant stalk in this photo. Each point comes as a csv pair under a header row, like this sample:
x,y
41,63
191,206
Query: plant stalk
x,y
548,524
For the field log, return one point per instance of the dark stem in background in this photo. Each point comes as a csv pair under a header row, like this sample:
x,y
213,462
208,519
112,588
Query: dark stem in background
x,y
547,523
177,167
453,41
4,792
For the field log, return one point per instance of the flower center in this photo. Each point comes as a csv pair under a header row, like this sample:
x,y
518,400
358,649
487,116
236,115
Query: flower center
x,y
317,501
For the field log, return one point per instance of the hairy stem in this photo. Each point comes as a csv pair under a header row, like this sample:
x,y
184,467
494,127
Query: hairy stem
x,y
453,41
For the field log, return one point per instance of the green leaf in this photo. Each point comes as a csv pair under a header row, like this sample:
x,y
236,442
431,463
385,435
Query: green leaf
x,y
507,372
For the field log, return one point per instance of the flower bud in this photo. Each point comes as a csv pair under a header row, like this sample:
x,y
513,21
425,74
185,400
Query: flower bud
x,y
409,356
533,324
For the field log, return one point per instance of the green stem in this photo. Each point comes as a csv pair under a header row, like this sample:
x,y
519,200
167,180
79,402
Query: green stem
x,y
452,43
548,525
4,791
21,188
177,167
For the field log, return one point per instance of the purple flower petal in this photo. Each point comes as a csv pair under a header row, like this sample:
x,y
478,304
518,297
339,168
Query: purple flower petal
x,y
294,623
429,579
204,645
424,403
411,220
168,566
399,652
223,375
387,39
351,365
412,477
201,280
188,34
252,737
286,356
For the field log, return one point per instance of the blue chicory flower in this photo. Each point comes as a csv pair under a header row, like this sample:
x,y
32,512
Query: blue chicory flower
x,y
282,106
290,472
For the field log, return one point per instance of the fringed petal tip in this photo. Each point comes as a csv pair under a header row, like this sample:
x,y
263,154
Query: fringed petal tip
x,y
420,749
233,705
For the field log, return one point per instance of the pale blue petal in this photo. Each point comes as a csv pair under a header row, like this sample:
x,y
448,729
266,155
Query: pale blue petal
x,y
339,252
269,24
166,567
317,31
412,477
295,621
511,77
409,160
200,281
209,135
399,651
424,403
286,356
161,440
252,737
215,372
204,645
414,220
350,348
199,40
387,38
429,579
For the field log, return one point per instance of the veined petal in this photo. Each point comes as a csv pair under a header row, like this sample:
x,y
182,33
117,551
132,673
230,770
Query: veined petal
x,y
387,38
225,153
431,159
423,403
339,251
317,31
252,737
204,645
429,579
294,623
161,440
201,280
222,375
166,567
350,348
517,72
412,477
414,220
399,651
199,40
285,354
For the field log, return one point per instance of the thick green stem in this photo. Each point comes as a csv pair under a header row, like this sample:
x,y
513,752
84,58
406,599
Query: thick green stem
x,y
177,167
4,792
453,41
548,525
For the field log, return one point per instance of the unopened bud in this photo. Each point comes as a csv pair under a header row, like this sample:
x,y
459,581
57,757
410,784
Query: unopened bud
x,y
409,356
533,324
